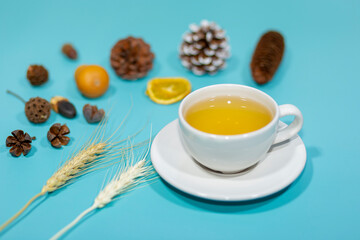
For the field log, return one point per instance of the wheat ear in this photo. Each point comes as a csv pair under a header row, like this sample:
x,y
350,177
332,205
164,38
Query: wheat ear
x,y
94,154
126,179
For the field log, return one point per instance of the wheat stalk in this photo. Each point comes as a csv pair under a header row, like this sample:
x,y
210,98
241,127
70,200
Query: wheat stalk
x,y
96,153
127,178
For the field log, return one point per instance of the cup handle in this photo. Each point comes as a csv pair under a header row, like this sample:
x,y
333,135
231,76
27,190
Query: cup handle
x,y
291,130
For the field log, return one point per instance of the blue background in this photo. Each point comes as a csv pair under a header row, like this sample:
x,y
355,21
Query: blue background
x,y
319,74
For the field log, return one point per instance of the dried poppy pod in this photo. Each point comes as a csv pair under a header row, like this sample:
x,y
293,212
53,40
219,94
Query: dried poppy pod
x,y
267,57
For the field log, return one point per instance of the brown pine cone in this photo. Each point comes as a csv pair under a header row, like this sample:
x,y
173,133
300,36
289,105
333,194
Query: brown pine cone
x,y
37,75
267,56
56,135
37,110
205,48
131,58
19,142
69,51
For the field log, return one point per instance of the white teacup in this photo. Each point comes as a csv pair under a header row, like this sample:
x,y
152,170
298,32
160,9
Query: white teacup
x,y
234,153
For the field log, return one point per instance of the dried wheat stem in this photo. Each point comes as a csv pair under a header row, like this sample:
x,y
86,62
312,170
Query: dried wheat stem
x,y
73,223
72,169
2,227
126,179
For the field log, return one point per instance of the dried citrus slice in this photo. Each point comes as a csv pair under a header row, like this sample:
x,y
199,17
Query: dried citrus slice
x,y
168,90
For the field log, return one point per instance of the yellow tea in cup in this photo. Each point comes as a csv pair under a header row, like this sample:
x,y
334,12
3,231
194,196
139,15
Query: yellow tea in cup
x,y
228,115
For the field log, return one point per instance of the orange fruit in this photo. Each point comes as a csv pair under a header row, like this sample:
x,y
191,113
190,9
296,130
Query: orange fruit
x,y
92,80
168,90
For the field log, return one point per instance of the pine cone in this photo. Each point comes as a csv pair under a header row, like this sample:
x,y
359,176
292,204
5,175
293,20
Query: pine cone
x,y
69,51
37,110
131,58
19,142
37,75
267,56
204,49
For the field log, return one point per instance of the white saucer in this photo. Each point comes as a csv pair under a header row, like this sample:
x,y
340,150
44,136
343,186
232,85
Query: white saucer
x,y
279,169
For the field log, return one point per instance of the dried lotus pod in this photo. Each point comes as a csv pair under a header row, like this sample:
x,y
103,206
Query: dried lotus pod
x,y
37,110
267,56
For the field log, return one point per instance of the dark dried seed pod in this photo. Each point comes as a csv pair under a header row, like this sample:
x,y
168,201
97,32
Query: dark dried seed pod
x,y
37,75
267,56
92,114
19,142
66,109
63,106
56,135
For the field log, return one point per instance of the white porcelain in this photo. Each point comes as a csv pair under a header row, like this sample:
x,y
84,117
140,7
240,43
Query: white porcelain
x,y
281,166
234,153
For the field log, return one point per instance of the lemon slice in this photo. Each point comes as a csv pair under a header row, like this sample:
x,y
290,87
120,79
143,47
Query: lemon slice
x,y
168,90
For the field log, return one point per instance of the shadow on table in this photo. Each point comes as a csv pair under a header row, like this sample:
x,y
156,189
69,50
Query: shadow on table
x,y
273,201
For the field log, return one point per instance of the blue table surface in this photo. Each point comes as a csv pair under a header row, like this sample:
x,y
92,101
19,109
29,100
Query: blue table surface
x,y
318,74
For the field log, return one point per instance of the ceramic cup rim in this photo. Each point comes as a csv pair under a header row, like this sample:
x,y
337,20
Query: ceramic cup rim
x,y
228,137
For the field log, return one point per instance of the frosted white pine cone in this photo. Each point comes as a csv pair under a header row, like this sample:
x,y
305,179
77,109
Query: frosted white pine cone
x,y
205,48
